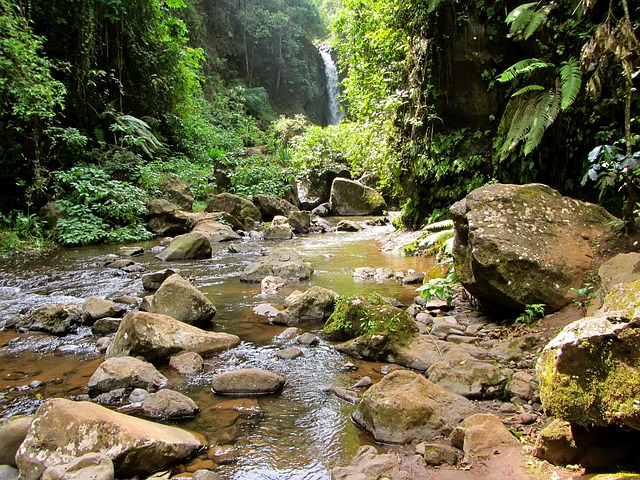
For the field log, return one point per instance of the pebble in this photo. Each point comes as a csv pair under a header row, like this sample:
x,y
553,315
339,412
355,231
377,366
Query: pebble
x,y
289,353
308,339
349,367
364,382
138,395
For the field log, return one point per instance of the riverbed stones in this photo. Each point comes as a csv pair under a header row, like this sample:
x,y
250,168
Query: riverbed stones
x,y
313,305
188,246
156,337
284,262
125,372
12,433
300,222
517,245
241,208
279,229
215,231
467,377
95,308
404,406
555,444
480,435
349,197
152,281
368,464
187,363
271,206
289,353
348,226
168,404
55,318
63,430
178,298
271,285
247,381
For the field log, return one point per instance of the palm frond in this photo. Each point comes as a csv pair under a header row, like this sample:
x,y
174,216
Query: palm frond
x,y
523,67
570,80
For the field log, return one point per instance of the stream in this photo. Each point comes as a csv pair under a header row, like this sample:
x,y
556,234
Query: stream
x,y
299,434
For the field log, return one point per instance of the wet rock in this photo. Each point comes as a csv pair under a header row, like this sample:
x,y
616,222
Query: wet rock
x,y
247,381
187,363
106,326
113,397
352,198
481,434
206,475
247,247
343,394
215,231
103,343
288,334
55,318
169,405
187,246
131,251
436,454
125,372
289,353
265,310
63,429
239,207
413,278
93,466
505,230
437,304
12,433
138,395
404,406
122,263
152,281
364,273
271,206
315,304
347,226
95,308
369,465
300,222
177,298
308,339
520,385
321,210
279,229
314,189
555,444
284,263
157,337
571,391
271,285
7,472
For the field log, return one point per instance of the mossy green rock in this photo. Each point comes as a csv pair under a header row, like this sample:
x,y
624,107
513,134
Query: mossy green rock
x,y
517,245
349,197
623,299
369,316
590,373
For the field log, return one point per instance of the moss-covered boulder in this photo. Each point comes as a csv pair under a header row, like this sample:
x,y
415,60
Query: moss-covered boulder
x,y
623,268
239,207
590,373
517,245
370,317
349,197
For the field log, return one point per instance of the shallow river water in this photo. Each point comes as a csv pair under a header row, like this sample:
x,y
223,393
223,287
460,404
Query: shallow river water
x,y
299,434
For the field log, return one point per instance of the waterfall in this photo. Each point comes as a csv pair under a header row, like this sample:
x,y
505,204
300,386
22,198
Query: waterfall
x,y
334,112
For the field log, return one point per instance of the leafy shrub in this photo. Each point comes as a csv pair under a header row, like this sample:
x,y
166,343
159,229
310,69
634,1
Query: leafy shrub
x,y
98,208
21,231
259,174
531,314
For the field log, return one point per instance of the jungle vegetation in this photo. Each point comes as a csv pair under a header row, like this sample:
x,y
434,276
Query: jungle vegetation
x,y
99,99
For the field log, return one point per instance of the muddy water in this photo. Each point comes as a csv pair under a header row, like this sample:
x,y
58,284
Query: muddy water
x,y
300,434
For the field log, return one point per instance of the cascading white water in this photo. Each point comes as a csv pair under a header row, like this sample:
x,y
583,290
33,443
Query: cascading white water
x,y
334,113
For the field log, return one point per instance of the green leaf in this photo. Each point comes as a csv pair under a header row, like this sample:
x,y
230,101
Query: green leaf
x,y
571,80
523,67
527,89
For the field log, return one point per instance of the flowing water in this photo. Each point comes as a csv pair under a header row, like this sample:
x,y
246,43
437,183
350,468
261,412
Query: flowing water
x,y
335,112
299,434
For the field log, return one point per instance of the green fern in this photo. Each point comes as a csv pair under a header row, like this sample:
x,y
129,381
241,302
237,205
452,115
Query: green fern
x,y
523,67
571,80
437,226
527,89
547,108
524,20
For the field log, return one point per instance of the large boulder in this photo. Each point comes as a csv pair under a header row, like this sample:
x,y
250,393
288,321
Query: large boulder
x,y
12,433
178,191
349,197
300,222
271,206
177,298
127,373
158,337
590,372
95,308
215,231
284,263
247,381
314,188
239,207
404,406
188,246
279,229
313,305
63,430
517,245
166,218
623,268
55,318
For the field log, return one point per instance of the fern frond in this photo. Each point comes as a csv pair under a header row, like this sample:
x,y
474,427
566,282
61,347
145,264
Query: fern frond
x,y
436,238
523,67
517,123
525,20
527,89
546,111
571,80
437,226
